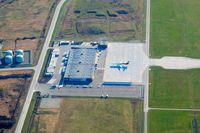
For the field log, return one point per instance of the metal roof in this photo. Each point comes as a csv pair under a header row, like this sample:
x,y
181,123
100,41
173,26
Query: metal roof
x,y
81,63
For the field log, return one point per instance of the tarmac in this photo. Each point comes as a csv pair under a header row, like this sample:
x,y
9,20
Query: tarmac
x,y
134,54
176,62
135,92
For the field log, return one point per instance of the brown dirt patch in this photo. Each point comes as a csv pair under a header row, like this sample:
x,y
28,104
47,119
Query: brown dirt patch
x,y
26,18
22,44
11,90
46,121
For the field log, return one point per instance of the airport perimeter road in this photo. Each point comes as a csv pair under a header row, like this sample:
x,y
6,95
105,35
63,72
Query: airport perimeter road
x,y
15,69
38,69
175,109
146,74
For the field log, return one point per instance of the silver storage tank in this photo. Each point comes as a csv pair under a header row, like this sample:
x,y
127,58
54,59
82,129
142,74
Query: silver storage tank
x,y
19,58
19,52
8,59
8,52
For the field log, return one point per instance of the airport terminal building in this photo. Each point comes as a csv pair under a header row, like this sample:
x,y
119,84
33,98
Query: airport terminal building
x,y
80,66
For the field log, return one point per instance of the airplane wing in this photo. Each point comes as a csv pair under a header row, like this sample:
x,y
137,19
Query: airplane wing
x,y
124,68
116,64
119,68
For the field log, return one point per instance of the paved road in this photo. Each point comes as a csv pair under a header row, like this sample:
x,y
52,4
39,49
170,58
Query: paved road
x,y
175,109
38,68
176,62
146,73
15,69
117,92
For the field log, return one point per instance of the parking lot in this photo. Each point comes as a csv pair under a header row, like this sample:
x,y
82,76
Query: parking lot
x,y
60,65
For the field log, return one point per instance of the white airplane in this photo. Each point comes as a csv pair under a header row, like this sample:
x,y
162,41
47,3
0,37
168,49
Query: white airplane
x,y
122,63
120,66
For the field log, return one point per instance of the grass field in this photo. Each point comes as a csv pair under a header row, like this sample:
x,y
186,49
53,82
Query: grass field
x,y
98,25
174,88
171,121
81,115
175,28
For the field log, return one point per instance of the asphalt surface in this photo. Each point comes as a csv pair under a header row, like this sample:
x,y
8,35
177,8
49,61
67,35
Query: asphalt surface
x,y
169,62
146,73
175,109
135,92
38,69
15,69
57,76
120,52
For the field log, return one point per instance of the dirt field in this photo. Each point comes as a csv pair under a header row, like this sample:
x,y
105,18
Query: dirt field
x,y
114,20
46,121
25,18
79,115
13,89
